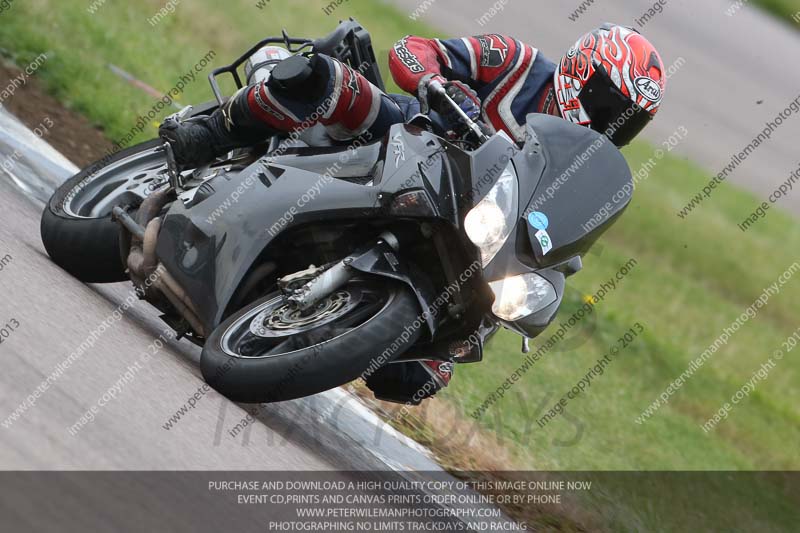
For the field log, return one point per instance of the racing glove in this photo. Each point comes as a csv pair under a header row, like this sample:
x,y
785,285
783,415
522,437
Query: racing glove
x,y
462,94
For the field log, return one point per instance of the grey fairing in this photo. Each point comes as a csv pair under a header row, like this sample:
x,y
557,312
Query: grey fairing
x,y
553,180
381,260
569,173
209,257
586,178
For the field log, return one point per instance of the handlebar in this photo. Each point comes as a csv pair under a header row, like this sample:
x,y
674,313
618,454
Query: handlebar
x,y
327,45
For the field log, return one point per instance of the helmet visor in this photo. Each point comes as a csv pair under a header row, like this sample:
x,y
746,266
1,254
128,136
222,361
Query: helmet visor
x,y
611,112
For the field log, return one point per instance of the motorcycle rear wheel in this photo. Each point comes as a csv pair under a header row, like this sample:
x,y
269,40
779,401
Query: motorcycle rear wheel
x,y
268,352
76,228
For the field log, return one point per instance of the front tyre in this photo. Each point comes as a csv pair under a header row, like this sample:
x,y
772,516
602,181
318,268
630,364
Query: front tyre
x,y
270,352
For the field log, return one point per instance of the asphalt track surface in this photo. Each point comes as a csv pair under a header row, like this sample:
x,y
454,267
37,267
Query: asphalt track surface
x,y
738,72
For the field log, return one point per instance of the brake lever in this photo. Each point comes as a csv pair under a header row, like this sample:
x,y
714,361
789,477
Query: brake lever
x,y
437,88
181,115
172,168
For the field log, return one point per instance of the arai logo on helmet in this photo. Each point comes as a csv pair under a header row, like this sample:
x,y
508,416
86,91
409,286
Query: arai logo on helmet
x,y
648,87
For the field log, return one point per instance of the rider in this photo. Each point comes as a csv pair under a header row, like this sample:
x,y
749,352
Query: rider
x,y
611,80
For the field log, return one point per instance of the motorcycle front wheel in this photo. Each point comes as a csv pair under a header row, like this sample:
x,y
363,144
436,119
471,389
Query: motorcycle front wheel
x,y
270,351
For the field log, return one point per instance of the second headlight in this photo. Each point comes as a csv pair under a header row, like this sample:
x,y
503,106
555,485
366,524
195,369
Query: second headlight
x,y
520,296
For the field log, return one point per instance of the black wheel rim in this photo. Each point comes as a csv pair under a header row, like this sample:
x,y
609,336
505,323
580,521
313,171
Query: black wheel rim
x,y
274,328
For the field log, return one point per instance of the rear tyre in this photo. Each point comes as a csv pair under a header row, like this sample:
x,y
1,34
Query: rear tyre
x,y
76,228
268,353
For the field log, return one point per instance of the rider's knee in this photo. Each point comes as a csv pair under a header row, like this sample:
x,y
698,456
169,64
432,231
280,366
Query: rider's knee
x,y
302,78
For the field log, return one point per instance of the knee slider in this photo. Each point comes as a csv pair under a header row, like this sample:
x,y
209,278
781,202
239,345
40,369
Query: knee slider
x,y
300,77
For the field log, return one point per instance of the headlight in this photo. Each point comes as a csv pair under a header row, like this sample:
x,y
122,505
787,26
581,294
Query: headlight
x,y
489,223
521,296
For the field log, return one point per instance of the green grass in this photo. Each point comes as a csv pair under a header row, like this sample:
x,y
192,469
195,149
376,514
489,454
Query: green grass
x,y
693,277
785,9
80,46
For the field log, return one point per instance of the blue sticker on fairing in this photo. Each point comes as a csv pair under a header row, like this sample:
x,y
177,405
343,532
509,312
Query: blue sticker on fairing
x,y
538,220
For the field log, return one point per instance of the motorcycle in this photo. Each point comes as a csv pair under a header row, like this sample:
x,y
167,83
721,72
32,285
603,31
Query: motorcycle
x,y
299,268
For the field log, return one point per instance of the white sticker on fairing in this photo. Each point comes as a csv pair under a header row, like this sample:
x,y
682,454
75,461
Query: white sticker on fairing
x,y
544,241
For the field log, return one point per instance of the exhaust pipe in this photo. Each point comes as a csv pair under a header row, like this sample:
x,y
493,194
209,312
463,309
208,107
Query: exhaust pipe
x,y
170,288
145,270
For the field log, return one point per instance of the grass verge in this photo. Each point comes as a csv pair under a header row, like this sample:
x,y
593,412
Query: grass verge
x,y
788,10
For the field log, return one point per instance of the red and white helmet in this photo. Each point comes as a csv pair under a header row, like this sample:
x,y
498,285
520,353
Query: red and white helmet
x,y
611,80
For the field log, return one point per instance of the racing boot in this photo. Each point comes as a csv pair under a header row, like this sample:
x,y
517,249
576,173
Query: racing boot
x,y
198,141
410,382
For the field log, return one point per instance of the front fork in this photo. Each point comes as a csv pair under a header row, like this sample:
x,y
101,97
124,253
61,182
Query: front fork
x,y
326,281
